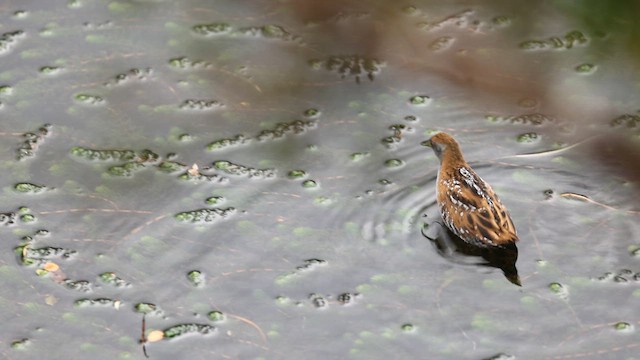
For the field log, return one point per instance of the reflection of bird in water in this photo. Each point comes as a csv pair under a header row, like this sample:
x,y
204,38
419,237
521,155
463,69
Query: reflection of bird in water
x,y
471,210
453,248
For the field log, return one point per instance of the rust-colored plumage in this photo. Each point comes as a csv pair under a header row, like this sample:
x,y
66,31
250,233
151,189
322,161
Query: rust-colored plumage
x,y
468,205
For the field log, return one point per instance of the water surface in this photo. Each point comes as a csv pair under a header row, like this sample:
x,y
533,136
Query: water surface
x,y
253,172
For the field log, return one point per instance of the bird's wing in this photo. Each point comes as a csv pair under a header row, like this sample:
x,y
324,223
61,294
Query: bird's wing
x,y
473,211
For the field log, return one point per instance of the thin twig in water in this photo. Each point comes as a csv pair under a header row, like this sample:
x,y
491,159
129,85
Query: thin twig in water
x,y
579,197
550,152
252,324
143,338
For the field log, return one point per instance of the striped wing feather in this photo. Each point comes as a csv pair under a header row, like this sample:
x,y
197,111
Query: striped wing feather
x,y
472,210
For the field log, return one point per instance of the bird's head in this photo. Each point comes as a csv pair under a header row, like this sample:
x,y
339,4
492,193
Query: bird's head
x,y
443,143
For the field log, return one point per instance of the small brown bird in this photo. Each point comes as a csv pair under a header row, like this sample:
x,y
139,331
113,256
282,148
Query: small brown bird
x,y
468,205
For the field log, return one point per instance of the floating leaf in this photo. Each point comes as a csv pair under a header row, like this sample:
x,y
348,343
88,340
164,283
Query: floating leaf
x,y
51,266
155,335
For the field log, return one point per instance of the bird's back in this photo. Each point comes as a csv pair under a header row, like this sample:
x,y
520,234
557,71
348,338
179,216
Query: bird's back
x,y
470,208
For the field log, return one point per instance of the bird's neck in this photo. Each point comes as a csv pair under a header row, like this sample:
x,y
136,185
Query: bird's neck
x,y
453,159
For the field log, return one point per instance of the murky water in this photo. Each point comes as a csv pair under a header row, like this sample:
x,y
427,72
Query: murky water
x,y
250,177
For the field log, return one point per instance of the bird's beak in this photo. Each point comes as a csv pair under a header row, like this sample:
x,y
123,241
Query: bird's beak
x,y
427,143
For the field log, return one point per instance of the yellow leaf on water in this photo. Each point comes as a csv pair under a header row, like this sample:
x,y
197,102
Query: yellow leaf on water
x,y
155,335
50,300
194,171
51,266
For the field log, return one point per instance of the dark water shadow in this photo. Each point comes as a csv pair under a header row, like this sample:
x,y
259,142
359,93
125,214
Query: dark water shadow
x,y
456,250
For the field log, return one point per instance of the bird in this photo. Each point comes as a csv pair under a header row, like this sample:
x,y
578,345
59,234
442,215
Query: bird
x,y
468,205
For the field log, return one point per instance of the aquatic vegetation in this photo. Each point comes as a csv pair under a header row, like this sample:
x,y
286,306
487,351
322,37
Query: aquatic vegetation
x,y
296,174
126,169
622,276
191,175
185,329
98,303
33,140
89,99
322,301
135,74
347,298
200,105
359,156
318,301
29,188
420,100
310,184
296,127
215,200
350,65
501,20
627,120
205,215
196,278
146,308
586,68
21,344
623,326
25,215
216,316
312,113
398,132
568,41
212,29
50,70
441,43
112,279
186,63
309,265
6,90
230,142
460,19
77,285
393,163
281,130
241,170
524,119
560,290
9,39
143,156
528,138
48,252
134,160
269,31
169,166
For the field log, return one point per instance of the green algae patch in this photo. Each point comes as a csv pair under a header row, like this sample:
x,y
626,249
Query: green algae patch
x,y
29,188
216,316
98,303
185,329
204,215
196,278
